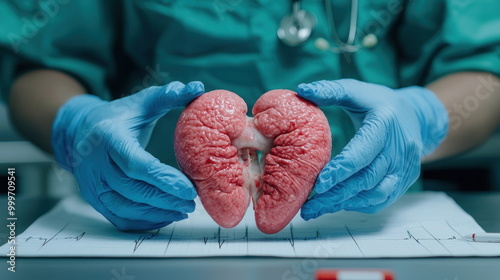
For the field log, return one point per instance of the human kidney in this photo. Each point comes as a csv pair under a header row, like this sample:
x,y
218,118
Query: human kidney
x,y
272,159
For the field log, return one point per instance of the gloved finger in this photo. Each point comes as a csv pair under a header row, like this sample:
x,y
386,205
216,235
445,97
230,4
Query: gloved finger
x,y
125,213
159,100
138,164
366,179
372,200
142,192
395,195
361,150
319,205
378,207
345,92
365,201
133,225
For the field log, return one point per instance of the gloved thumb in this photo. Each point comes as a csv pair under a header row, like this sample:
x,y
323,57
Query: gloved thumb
x,y
158,100
329,93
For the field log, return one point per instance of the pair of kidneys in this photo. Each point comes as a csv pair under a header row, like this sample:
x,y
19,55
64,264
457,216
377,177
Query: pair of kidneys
x,y
272,159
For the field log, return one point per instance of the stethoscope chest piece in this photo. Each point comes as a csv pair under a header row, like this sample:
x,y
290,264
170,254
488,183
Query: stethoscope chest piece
x,y
296,28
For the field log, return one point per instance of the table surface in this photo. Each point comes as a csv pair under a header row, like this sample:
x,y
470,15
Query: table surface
x,y
484,207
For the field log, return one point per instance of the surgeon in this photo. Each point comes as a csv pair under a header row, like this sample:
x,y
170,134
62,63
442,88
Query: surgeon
x,y
401,82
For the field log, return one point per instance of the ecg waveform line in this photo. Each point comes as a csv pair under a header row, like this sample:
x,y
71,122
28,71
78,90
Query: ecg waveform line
x,y
354,239
46,240
221,237
141,238
217,237
169,240
411,237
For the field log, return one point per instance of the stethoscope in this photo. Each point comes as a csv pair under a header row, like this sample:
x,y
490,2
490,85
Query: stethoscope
x,y
296,28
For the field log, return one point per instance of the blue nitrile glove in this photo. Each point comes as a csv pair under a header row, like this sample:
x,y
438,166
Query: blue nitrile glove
x,y
102,144
396,128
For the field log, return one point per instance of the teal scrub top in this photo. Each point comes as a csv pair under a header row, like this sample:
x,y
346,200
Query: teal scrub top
x,y
116,48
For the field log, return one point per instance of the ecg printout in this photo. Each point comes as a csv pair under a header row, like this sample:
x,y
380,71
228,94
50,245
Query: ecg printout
x,y
418,225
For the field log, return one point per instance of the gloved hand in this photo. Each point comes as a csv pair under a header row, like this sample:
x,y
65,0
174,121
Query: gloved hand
x,y
396,129
102,144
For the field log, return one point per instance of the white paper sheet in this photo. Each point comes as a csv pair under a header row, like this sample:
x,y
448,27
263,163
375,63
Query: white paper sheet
x,y
418,225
